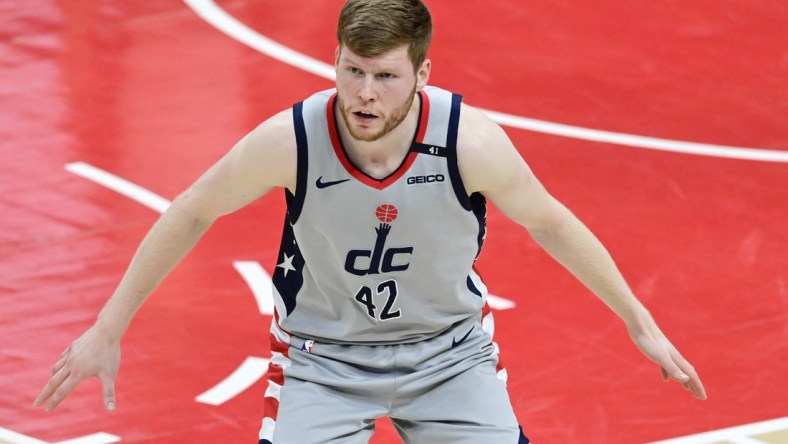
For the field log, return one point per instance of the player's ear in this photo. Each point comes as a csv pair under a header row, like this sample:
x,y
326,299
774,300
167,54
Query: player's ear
x,y
336,55
423,74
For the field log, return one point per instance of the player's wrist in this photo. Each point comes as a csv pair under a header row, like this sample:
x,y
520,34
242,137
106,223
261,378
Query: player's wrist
x,y
109,327
637,318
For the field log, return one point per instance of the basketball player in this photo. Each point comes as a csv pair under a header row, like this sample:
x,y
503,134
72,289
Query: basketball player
x,y
379,311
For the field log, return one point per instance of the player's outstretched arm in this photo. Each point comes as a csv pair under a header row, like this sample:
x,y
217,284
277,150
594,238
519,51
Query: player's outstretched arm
x,y
264,159
490,164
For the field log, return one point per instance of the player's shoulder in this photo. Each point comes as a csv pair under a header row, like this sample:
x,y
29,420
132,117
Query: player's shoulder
x,y
478,134
277,128
484,151
471,116
269,151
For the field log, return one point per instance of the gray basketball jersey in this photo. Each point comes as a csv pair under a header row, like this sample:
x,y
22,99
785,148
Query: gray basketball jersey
x,y
378,261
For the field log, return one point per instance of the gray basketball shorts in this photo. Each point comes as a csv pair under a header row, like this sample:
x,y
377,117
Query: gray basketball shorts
x,y
442,390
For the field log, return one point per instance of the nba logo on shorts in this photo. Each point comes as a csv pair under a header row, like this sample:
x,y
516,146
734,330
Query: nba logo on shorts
x,y
308,345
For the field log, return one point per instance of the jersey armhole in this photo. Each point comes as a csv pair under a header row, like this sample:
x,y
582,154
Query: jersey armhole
x,y
295,202
451,145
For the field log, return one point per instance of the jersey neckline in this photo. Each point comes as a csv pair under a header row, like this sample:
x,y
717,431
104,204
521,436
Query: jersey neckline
x,y
357,173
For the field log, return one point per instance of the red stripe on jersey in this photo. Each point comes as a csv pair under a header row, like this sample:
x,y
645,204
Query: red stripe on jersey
x,y
276,344
275,373
270,407
424,117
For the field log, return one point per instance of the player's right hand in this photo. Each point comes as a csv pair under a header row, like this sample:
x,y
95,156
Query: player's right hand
x,y
92,354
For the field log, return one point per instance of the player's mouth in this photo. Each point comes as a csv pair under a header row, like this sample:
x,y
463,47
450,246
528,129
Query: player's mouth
x,y
364,117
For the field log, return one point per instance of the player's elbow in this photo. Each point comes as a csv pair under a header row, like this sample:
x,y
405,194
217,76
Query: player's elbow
x,y
550,221
194,209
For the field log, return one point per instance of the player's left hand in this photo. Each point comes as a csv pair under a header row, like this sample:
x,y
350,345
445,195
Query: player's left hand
x,y
653,343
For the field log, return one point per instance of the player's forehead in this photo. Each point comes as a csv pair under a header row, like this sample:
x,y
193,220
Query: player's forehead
x,y
396,57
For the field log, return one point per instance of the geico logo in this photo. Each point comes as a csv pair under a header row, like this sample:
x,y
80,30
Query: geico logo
x,y
430,178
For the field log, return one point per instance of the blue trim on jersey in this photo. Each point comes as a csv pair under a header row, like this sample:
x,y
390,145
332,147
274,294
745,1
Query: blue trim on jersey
x,y
523,439
472,286
288,275
479,205
451,144
296,202
288,278
476,201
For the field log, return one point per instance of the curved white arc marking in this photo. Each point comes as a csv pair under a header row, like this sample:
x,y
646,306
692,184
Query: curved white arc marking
x,y
96,438
250,371
220,19
677,146
259,282
228,24
122,186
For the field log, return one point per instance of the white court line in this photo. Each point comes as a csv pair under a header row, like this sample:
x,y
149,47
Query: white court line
x,y
745,440
500,303
575,132
220,19
17,438
122,186
249,372
740,434
259,282
97,438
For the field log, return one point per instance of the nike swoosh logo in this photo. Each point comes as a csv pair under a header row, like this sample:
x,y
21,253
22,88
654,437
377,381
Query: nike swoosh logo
x,y
320,184
455,342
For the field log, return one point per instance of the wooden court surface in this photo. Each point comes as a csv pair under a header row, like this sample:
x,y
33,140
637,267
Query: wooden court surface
x,y
152,93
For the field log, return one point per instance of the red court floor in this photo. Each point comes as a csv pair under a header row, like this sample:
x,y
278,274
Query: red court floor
x,y
153,93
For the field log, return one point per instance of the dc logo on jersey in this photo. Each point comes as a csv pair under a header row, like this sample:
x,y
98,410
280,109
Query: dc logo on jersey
x,y
380,259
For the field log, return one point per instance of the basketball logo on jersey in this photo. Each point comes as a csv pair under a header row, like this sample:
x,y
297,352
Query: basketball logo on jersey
x,y
380,259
